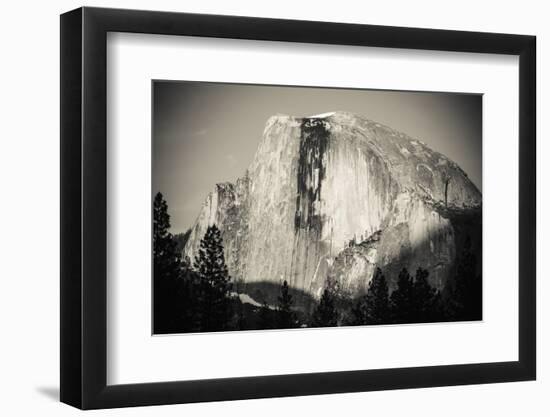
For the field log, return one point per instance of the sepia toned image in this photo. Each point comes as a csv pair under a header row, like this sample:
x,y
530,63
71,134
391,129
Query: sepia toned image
x,y
278,207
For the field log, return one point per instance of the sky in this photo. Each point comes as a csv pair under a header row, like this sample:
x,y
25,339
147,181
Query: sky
x,y
206,133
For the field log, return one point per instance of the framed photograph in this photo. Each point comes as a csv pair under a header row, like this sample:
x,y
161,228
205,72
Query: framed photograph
x,y
257,208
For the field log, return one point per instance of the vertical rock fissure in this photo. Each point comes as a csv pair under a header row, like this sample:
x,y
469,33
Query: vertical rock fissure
x,y
308,221
314,137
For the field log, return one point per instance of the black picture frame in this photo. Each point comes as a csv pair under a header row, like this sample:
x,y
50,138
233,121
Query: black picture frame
x,y
84,207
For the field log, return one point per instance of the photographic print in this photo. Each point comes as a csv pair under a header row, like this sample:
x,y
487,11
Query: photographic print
x,y
280,207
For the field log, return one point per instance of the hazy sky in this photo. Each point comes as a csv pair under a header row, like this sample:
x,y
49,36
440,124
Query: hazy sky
x,y
205,133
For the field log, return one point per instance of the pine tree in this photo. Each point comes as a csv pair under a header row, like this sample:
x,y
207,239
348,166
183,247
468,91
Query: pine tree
x,y
467,293
285,316
214,304
325,314
439,311
415,301
170,290
402,300
265,320
424,298
373,308
377,299
241,317
166,258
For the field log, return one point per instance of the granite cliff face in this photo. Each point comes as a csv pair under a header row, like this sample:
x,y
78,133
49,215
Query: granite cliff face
x,y
336,195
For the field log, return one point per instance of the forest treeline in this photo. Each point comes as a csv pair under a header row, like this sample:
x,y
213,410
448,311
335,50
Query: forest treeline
x,y
199,295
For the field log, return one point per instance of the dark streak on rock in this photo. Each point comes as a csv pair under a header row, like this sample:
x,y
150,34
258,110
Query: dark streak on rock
x,y
314,138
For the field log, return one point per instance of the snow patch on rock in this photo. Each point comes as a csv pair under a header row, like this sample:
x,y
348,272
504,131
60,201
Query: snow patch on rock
x,y
322,115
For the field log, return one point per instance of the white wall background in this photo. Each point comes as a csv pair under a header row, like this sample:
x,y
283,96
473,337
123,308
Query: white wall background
x,y
29,213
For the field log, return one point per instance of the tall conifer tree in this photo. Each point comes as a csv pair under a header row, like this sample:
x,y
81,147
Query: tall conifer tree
x,y
467,293
170,295
285,316
403,299
325,314
424,298
265,319
214,305
373,308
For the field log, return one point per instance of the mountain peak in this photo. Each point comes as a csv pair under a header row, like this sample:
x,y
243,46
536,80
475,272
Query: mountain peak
x,y
318,183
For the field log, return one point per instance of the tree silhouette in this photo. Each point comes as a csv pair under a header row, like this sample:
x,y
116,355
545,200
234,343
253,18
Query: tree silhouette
x,y
265,319
466,300
214,305
415,301
285,316
373,308
198,298
402,300
171,297
425,307
241,317
325,314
